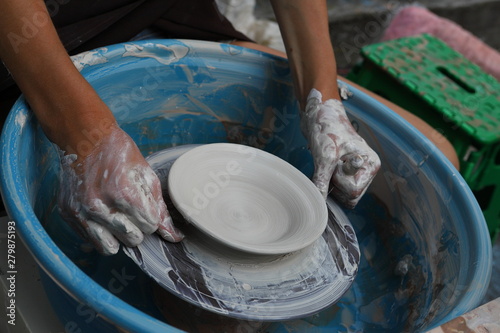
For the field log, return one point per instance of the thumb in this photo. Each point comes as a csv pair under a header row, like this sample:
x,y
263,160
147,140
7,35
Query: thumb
x,y
322,174
166,228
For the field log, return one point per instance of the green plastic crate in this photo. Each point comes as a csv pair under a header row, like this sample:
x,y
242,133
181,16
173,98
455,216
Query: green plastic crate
x,y
428,78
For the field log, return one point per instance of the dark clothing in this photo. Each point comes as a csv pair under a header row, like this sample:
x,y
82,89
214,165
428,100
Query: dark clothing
x,y
87,24
84,25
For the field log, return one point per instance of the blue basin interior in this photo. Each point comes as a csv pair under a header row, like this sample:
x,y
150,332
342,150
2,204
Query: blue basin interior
x,y
426,251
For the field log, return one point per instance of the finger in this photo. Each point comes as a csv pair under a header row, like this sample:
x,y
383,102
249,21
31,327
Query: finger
x,y
141,213
349,200
352,163
141,200
122,228
166,229
348,187
103,240
322,174
117,223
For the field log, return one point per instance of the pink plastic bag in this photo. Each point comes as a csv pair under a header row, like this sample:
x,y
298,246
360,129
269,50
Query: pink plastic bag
x,y
414,20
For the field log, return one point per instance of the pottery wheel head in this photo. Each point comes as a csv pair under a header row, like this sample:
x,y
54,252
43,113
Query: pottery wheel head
x,y
239,284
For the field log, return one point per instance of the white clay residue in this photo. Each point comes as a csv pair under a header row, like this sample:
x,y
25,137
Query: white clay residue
x,y
344,91
89,58
241,281
339,153
163,54
21,119
112,191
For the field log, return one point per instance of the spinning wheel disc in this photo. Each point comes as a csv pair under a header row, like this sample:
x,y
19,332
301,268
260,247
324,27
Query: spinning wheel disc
x,y
244,285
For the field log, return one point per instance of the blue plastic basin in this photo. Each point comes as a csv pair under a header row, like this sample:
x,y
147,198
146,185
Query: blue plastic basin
x,y
426,251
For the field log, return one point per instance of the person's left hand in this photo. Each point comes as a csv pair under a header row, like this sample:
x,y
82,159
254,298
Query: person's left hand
x,y
113,195
341,156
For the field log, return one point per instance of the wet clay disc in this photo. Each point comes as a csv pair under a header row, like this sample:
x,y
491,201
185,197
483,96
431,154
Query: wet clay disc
x,y
239,284
247,198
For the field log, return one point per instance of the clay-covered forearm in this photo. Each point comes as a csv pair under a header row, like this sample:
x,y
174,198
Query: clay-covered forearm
x,y
304,26
108,192
62,100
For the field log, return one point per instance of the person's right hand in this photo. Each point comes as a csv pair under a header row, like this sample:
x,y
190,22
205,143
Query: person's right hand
x,y
342,159
112,195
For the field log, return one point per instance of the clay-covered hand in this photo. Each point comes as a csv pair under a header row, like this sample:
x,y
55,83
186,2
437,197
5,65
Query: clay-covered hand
x,y
112,194
341,156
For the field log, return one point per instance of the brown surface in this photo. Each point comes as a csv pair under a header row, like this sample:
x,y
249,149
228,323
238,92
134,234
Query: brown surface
x,y
485,319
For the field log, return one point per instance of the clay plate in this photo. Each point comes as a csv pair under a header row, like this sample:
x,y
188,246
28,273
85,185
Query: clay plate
x,y
247,198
